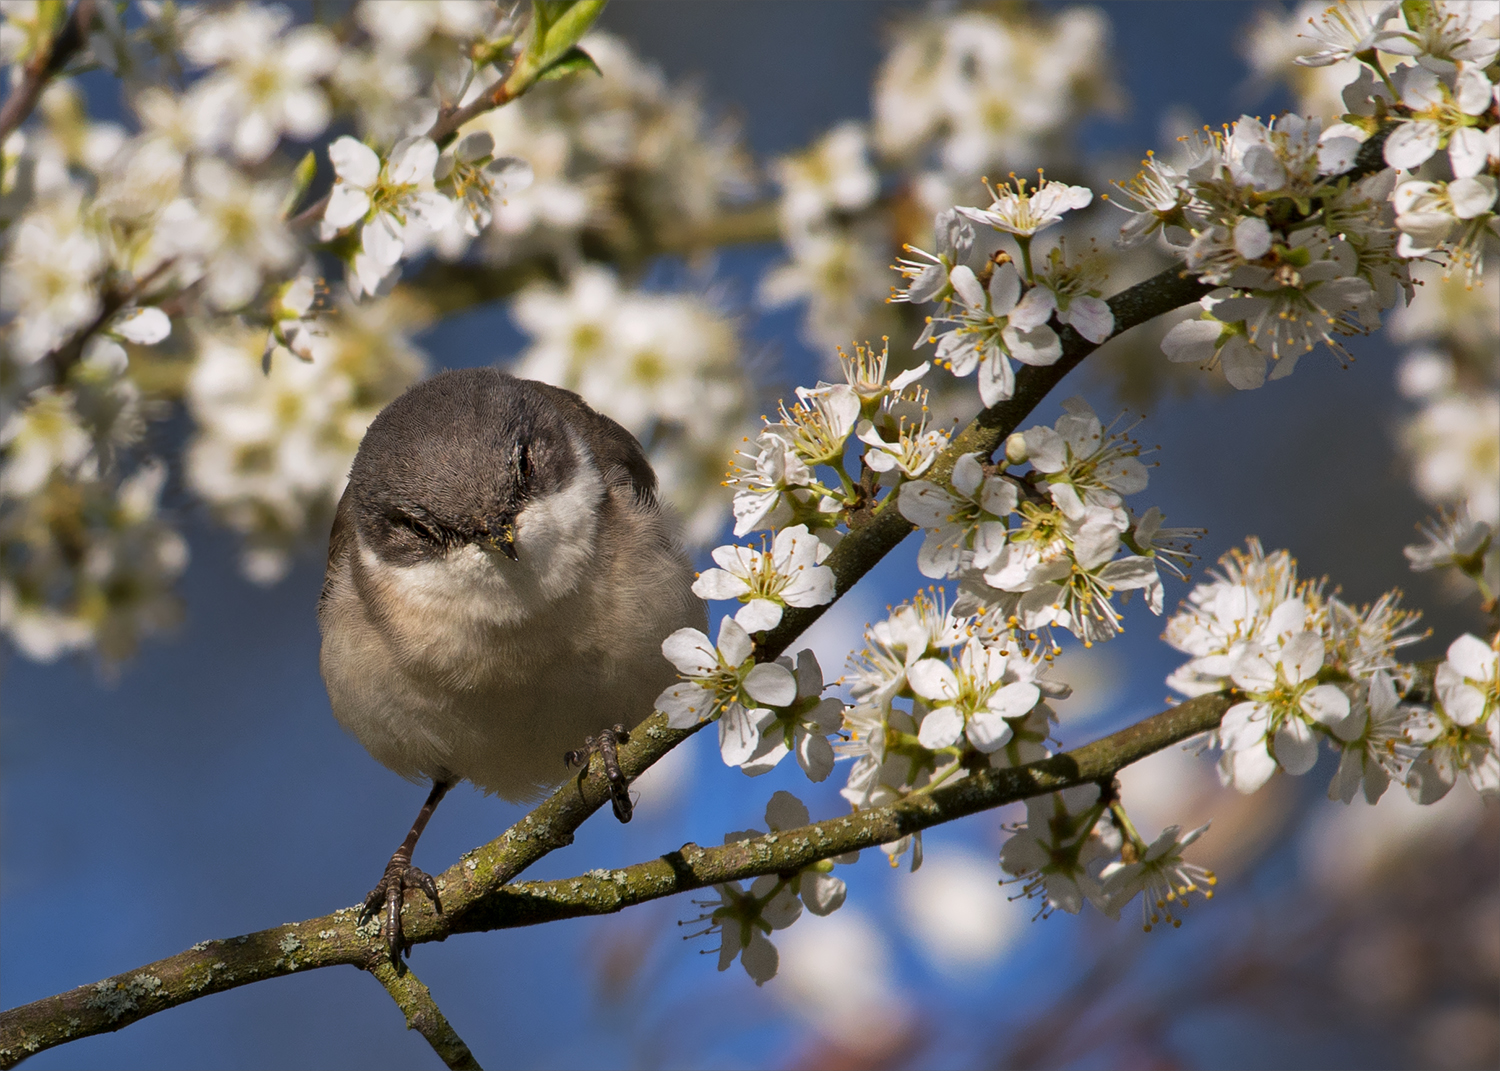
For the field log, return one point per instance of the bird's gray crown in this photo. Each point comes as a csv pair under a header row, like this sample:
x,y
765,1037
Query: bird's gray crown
x,y
456,458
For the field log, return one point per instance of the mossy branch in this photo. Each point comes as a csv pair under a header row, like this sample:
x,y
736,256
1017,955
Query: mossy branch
x,y
472,906
423,1015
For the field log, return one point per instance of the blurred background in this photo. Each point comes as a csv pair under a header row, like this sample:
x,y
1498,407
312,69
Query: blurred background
x,y
202,788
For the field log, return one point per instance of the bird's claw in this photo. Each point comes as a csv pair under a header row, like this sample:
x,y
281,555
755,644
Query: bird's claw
x,y
607,744
399,876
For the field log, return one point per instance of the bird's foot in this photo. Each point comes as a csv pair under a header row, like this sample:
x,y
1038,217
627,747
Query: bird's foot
x,y
607,744
399,876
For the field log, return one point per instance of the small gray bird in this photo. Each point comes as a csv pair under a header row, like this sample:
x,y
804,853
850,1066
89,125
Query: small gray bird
x,y
500,579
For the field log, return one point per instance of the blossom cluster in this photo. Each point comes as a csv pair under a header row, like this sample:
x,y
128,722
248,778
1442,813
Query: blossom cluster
x,y
766,711
959,92
992,313
1314,670
795,471
1288,280
938,694
742,918
1044,548
1301,254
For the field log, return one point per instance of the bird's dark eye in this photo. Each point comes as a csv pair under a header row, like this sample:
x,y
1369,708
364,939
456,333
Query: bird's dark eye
x,y
424,531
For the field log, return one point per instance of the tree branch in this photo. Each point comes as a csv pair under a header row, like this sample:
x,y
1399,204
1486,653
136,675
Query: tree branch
x,y
423,1015
48,60
470,906
475,892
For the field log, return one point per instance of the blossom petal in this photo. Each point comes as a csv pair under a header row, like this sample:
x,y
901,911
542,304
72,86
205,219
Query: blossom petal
x,y
738,733
718,584
1038,346
1091,317
413,159
822,893
347,205
759,615
772,685
1247,770
734,642
786,811
1192,340
925,504
1412,144
1326,704
967,476
1431,776
354,163
1296,747
1016,699
932,678
814,755
987,730
997,380
691,652
685,704
941,728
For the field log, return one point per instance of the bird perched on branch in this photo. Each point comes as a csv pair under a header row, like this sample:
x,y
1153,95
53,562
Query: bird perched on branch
x,y
500,579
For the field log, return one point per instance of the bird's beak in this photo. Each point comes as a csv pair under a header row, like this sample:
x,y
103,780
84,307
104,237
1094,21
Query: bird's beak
x,y
504,541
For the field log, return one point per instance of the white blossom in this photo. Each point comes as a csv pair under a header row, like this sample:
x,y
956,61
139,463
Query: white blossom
x,y
1162,878
1273,727
724,679
1062,848
802,727
790,573
969,698
265,81
1372,742
1022,213
985,327
1347,30
381,195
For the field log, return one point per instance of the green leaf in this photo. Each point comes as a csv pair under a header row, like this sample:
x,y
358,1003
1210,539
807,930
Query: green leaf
x,y
572,61
1417,13
556,27
302,176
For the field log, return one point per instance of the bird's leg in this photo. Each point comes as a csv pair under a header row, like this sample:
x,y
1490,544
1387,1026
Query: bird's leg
x,y
400,875
607,745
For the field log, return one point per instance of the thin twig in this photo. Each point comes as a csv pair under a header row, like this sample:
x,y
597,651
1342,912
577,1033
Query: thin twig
x,y
62,359
423,1015
49,59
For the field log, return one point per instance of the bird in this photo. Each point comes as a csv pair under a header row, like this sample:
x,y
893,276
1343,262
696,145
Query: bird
x,y
501,575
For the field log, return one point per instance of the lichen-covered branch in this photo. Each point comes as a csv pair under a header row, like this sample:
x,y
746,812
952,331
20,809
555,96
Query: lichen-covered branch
x,y
691,867
423,1015
471,905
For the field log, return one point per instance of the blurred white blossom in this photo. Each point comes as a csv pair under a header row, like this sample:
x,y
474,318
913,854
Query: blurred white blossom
x,y
273,448
666,366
